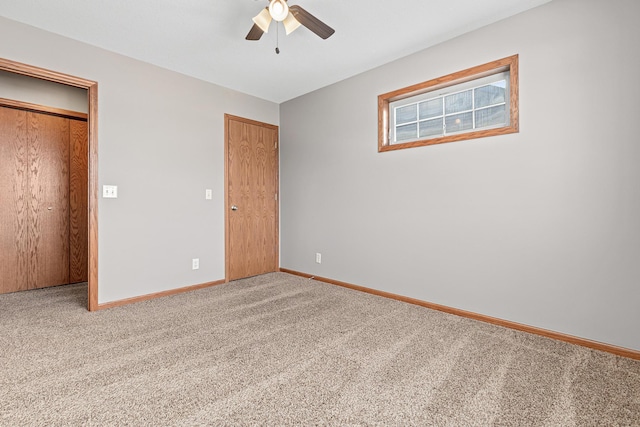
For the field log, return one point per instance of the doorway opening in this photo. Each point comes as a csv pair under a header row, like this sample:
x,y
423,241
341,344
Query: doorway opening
x,y
92,160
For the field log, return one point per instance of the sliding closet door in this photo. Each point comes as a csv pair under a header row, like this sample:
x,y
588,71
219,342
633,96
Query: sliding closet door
x,y
43,200
78,212
14,249
48,176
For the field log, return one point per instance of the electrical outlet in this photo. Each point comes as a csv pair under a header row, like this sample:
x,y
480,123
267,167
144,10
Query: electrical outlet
x,y
110,191
318,258
195,263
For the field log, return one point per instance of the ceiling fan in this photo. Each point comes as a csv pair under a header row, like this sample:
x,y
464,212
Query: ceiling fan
x,y
290,16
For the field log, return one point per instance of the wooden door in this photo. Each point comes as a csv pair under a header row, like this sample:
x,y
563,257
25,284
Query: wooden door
x,y
14,243
36,184
78,202
252,197
48,162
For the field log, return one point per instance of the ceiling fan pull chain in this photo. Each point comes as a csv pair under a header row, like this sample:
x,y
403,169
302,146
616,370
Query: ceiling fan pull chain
x,y
277,48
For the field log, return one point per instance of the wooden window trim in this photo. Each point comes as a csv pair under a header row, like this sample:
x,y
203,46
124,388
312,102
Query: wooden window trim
x,y
506,64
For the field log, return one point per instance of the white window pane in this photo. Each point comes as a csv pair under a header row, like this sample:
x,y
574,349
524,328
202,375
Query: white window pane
x,y
494,93
408,113
430,108
406,132
459,122
458,102
431,128
491,116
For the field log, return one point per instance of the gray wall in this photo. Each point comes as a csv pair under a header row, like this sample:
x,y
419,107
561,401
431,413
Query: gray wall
x,y
539,227
42,92
161,141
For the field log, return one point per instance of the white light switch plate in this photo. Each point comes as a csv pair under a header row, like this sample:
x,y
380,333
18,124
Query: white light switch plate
x,y
208,194
110,191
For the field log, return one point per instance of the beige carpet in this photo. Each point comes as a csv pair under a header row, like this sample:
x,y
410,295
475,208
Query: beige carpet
x,y
282,350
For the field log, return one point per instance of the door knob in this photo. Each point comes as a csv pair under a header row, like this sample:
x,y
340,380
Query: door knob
x,y
49,208
234,208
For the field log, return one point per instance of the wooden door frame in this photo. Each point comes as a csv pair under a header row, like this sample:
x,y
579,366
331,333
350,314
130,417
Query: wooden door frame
x,y
92,162
227,208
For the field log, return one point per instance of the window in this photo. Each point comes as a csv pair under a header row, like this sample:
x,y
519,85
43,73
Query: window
x,y
474,103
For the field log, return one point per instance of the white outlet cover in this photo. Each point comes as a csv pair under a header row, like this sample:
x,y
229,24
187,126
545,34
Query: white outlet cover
x,y
195,263
110,191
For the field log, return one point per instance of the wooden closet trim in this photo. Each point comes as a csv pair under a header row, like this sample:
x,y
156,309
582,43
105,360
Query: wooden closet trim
x,y
27,106
92,124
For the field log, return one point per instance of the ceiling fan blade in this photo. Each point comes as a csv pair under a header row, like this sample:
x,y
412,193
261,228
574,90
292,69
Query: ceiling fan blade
x,y
311,22
254,33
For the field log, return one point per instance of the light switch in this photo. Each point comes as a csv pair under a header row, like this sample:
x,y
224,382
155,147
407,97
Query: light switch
x,y
110,191
208,194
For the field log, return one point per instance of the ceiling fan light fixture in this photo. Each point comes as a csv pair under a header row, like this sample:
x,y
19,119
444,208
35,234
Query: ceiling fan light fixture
x,y
263,20
278,9
290,24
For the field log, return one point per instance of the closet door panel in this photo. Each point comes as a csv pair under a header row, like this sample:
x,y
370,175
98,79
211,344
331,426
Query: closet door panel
x,y
14,252
78,221
48,142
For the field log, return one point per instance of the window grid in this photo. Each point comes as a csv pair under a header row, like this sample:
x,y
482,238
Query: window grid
x,y
444,114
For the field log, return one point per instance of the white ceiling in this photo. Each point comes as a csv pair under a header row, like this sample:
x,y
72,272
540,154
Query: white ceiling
x,y
205,38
